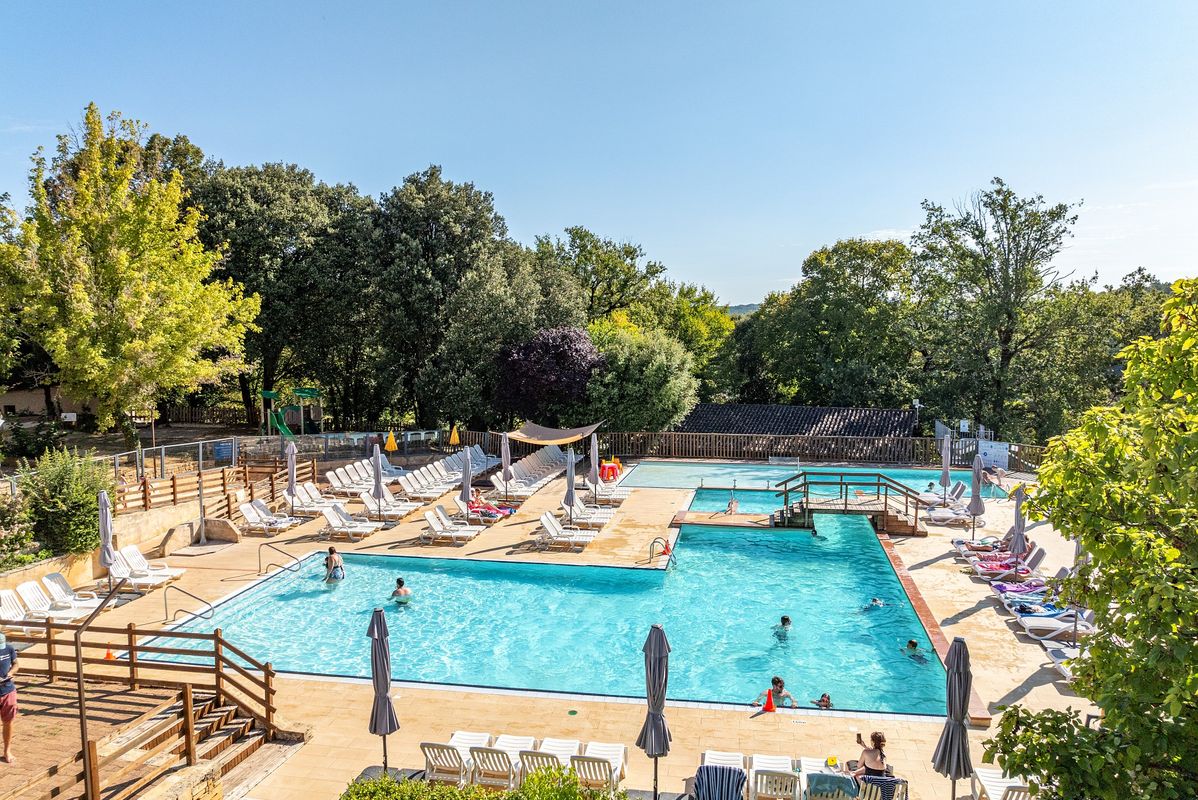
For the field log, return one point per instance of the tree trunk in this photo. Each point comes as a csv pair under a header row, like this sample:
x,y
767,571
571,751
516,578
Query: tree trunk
x,y
51,406
248,400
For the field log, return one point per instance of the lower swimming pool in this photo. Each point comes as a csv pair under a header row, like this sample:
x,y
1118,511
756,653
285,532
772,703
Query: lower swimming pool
x,y
580,629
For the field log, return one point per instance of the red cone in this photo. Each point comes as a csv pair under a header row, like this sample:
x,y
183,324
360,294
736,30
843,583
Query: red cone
x,y
769,701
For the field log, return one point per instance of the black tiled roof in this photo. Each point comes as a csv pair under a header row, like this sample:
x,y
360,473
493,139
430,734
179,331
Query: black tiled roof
x,y
782,420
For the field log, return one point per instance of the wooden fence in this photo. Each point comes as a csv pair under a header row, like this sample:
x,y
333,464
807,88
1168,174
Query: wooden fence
x,y
215,415
216,665
258,479
922,451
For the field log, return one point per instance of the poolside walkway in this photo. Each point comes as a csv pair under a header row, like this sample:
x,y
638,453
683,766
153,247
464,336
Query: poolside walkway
x,y
1007,668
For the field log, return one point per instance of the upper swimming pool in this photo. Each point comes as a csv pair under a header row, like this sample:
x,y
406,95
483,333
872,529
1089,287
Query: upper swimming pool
x,y
696,474
580,629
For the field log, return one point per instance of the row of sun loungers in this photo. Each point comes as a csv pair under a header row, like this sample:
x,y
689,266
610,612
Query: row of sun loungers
x,y
503,762
726,776
531,473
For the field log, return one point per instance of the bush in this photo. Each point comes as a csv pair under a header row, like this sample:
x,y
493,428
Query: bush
x,y
60,491
544,784
33,442
16,538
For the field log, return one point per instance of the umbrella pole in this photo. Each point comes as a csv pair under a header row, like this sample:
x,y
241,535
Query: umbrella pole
x,y
655,778
954,789
385,756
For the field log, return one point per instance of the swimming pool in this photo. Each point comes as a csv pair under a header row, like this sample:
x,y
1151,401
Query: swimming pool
x,y
580,629
696,474
750,501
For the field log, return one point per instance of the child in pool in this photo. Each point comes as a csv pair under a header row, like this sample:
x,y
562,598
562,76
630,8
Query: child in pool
x,y
402,594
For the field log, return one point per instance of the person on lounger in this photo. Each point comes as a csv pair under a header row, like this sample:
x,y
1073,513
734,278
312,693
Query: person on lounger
x,y
402,594
873,757
334,566
778,690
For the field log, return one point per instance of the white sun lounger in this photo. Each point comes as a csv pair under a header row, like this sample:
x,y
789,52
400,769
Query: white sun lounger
x,y
494,768
553,533
1022,569
514,489
40,605
437,531
140,581
336,526
450,522
444,763
722,758
991,784
254,523
60,592
385,510
137,562
561,749
279,519
774,784
1054,628
582,516
512,745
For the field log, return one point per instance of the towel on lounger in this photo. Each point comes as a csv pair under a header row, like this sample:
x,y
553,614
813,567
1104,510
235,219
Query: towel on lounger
x,y
886,785
715,782
824,783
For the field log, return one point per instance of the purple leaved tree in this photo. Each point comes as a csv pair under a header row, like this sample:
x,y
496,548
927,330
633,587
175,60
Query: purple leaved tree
x,y
545,379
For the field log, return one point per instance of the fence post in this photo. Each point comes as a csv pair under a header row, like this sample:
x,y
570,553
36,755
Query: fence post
x,y
189,729
272,487
234,457
175,489
199,456
92,776
49,652
132,655
268,674
162,461
218,657
116,468
145,492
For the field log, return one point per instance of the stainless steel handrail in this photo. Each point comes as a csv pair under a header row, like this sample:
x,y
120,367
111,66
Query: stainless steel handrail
x,y
166,604
298,564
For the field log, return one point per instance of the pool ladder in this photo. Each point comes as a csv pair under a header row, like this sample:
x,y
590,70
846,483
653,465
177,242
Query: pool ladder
x,y
665,548
211,611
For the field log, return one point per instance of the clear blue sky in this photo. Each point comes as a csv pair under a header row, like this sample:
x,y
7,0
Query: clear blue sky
x,y
730,140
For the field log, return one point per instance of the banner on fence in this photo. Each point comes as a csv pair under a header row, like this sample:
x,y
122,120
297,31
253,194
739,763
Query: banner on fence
x,y
994,454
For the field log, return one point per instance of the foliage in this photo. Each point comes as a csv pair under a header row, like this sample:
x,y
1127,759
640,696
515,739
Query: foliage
x,y
60,490
610,273
430,232
16,537
646,382
543,784
695,317
26,442
113,282
545,379
1124,483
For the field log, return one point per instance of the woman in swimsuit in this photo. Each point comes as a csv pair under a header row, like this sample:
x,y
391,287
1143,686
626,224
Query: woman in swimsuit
x,y
334,567
873,759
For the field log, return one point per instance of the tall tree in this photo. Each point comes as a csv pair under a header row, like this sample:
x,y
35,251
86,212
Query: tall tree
x,y
996,254
114,282
429,233
545,378
267,220
646,382
694,316
1122,484
613,275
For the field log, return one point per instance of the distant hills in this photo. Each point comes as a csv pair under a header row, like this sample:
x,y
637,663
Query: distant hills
x,y
743,310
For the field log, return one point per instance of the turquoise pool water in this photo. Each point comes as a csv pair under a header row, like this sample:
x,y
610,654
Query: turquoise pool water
x,y
580,629
695,474
751,501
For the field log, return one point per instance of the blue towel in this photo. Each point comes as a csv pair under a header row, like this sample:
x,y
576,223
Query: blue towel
x,y
714,782
825,783
886,785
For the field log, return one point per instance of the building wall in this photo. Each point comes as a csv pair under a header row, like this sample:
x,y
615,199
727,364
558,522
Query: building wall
x,y
33,402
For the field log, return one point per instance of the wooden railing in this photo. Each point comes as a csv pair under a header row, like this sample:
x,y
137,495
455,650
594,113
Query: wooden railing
x,y
861,485
852,449
259,479
233,676
216,415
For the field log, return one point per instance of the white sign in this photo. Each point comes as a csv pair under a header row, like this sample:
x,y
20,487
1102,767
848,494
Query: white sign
x,y
964,426
68,416
994,454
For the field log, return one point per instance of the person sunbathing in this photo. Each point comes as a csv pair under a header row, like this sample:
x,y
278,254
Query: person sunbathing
x,y
873,758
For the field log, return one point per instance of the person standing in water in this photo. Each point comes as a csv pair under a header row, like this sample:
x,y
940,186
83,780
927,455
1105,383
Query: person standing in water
x,y
334,566
782,629
402,594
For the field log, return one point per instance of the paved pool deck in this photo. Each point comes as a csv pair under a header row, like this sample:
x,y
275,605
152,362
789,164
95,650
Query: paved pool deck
x,y
1007,668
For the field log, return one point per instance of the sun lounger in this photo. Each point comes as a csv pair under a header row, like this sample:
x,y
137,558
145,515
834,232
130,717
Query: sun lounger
x,y
613,753
586,517
137,562
771,784
60,592
437,531
40,604
335,526
449,522
13,612
494,768
718,782
376,509
1002,570
990,784
512,745
445,764
464,740
513,489
140,582
1060,656
338,485
265,513
416,491
562,749
1053,628
882,787
595,773
534,760
254,523
553,533
723,758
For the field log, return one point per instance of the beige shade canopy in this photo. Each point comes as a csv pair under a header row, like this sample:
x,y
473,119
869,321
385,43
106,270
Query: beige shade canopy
x,y
536,434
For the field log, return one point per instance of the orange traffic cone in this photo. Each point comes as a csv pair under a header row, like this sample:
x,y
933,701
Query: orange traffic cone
x,y
666,549
108,656
769,701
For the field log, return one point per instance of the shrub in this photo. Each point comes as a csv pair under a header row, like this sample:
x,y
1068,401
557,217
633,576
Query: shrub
x,y
60,491
16,538
545,784
33,442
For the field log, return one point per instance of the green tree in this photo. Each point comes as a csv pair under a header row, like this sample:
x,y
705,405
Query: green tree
x,y
613,275
113,282
266,220
695,317
646,383
1124,483
429,232
993,258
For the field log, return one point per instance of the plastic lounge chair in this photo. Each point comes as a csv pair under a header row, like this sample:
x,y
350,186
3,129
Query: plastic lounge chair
x,y
13,613
254,522
1015,569
494,768
446,520
614,753
140,582
882,787
137,562
60,592
444,763
723,758
513,745
418,491
335,526
991,784
595,773
309,491
39,604
437,531
717,782
769,784
534,760
562,749
582,516
279,519
337,484
554,533
1053,628
376,509
513,489
349,519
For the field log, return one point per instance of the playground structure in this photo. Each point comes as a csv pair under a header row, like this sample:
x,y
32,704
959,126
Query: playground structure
x,y
307,411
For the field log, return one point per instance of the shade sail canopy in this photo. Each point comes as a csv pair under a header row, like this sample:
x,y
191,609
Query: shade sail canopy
x,y
536,434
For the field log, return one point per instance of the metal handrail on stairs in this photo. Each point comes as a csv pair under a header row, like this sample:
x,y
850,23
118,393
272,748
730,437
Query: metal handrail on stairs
x,y
166,604
665,550
299,565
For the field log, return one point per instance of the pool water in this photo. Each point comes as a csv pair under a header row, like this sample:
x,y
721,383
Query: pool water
x,y
750,501
580,629
697,474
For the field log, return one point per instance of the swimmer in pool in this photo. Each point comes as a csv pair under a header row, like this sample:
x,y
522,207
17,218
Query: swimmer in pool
x,y
875,602
778,690
824,701
782,629
402,594
334,566
913,652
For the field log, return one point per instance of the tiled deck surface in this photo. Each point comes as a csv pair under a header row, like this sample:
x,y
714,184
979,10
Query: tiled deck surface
x,y
1007,668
